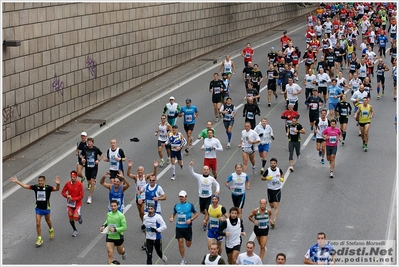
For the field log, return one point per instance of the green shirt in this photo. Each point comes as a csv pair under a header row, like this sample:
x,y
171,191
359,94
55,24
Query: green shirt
x,y
117,220
204,133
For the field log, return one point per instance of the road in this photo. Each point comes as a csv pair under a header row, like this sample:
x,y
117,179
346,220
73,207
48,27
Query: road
x,y
355,205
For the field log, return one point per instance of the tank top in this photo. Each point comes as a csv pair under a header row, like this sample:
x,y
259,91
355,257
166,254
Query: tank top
x,y
235,234
119,196
364,113
208,262
263,219
214,215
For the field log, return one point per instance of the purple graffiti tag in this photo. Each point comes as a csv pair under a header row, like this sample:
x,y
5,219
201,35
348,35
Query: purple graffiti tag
x,y
8,112
92,66
57,85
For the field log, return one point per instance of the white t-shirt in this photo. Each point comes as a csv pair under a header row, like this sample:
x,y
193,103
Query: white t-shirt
x,y
244,259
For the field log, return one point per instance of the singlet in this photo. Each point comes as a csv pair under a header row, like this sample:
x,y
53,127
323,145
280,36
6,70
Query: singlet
x,y
119,196
321,126
234,238
263,219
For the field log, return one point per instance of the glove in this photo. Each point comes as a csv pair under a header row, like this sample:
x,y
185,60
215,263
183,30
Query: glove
x,y
282,179
269,177
260,135
142,227
154,230
272,137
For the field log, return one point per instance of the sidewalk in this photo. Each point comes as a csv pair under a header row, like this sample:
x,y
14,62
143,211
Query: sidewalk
x,y
30,159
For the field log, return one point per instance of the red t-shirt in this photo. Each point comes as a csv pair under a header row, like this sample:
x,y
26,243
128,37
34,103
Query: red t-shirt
x,y
248,52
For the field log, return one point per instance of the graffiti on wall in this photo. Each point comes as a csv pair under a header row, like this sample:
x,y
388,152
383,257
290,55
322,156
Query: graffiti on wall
x,y
57,85
9,112
92,66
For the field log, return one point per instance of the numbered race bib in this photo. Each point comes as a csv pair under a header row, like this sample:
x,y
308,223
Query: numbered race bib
x,y
181,219
333,139
71,203
189,118
41,196
250,115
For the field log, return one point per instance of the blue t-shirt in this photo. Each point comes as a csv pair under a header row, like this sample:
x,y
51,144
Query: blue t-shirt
x,y
183,212
333,91
189,114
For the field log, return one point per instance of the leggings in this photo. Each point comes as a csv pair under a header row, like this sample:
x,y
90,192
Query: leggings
x,y
292,146
150,244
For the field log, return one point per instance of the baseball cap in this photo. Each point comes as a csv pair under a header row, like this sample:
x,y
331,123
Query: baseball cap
x,y
84,133
188,100
171,98
74,173
182,193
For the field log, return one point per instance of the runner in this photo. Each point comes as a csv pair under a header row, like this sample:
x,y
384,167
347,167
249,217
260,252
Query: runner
x,y
294,131
177,142
154,225
364,114
116,223
275,177
205,182
265,132
190,113
116,189
260,218
249,257
232,228
186,214
42,207
141,180
320,125
321,252
314,103
115,156
344,109
172,110
214,216
163,129
73,191
82,144
331,134
247,53
217,87
91,156
210,146
228,67
213,257
229,112
249,139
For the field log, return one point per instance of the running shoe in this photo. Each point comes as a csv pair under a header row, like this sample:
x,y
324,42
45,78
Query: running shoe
x,y
161,162
51,231
124,255
272,224
322,161
168,160
39,241
89,200
164,259
228,144
262,170
320,153
173,177
75,233
80,220
183,262
331,175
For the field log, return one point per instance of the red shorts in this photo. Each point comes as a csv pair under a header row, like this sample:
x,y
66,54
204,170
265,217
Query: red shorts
x,y
211,163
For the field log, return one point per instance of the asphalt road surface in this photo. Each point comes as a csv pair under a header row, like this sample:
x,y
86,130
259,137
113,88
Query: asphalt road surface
x,y
355,205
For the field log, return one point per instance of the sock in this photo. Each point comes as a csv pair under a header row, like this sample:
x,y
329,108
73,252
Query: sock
x,y
343,135
229,137
174,169
378,90
263,163
73,225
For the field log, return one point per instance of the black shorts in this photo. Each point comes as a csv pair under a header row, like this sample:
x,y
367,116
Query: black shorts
x,y
217,98
117,242
204,203
320,140
363,124
313,116
238,201
381,79
343,120
229,250
189,127
272,87
91,173
322,90
273,195
186,233
261,232
112,174
331,150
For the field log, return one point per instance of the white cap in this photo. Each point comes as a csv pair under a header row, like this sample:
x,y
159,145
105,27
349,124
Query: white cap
x,y
171,98
182,193
84,133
